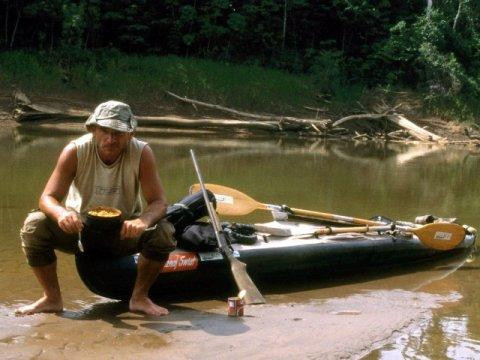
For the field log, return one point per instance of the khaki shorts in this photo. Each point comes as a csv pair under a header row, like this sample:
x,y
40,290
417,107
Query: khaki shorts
x,y
41,235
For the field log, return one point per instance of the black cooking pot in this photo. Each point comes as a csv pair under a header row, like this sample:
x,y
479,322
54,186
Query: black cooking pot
x,y
101,234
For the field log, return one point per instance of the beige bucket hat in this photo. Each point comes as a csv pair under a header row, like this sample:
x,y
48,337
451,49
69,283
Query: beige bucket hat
x,y
114,115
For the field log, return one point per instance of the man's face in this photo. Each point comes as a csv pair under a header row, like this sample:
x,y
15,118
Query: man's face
x,y
111,143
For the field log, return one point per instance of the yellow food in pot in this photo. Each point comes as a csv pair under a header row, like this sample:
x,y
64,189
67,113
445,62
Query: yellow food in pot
x,y
104,211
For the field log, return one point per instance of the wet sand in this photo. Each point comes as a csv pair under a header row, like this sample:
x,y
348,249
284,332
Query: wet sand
x,y
346,327
342,318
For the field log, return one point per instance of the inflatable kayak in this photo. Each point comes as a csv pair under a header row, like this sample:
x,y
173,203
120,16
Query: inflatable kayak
x,y
279,248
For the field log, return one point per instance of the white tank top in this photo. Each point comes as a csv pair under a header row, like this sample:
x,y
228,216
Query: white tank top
x,y
116,185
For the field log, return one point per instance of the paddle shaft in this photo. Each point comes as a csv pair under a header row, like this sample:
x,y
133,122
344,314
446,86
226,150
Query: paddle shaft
x,y
327,216
352,229
243,281
335,217
439,236
361,229
234,203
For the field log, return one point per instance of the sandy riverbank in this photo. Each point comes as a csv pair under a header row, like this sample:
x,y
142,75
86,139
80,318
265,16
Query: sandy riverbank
x,y
338,328
339,320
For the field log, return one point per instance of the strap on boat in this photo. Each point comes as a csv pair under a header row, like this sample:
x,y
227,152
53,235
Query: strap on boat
x,y
286,209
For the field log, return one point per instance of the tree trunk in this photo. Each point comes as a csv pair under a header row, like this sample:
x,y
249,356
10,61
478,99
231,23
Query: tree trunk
x,y
87,38
284,25
429,7
6,22
455,22
12,40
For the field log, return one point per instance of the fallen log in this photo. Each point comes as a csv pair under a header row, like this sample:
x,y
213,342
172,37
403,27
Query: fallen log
x,y
29,113
154,121
26,111
151,121
318,124
414,130
56,117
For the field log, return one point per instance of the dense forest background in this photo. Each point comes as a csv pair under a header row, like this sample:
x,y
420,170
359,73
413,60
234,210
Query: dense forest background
x,y
431,46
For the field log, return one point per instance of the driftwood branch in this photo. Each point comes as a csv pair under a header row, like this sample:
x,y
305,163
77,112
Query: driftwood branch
x,y
414,130
358,117
287,119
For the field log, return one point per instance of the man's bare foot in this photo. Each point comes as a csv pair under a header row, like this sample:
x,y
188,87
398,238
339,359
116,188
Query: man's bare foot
x,y
41,305
146,306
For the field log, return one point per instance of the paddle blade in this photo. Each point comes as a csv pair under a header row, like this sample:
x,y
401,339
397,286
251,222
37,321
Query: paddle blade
x,y
230,202
243,281
440,236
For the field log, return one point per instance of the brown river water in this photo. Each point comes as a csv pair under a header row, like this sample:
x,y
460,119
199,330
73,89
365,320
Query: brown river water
x,y
422,312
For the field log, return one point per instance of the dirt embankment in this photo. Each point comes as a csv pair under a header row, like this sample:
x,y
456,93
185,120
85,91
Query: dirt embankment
x,y
6,107
451,130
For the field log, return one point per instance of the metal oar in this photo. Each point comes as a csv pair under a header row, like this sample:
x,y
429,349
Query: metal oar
x,y
239,269
440,236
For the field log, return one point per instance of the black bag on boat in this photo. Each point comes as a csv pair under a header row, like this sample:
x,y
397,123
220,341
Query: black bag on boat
x,y
197,237
188,210
200,236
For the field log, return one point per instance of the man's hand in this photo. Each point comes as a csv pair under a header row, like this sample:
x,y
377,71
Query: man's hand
x,y
132,229
69,222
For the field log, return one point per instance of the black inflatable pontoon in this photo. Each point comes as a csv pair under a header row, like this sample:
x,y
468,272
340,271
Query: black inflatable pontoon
x,y
271,255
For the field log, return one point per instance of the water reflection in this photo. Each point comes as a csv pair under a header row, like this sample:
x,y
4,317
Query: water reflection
x,y
452,333
357,179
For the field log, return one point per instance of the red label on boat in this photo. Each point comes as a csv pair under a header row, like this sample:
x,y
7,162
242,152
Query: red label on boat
x,y
180,261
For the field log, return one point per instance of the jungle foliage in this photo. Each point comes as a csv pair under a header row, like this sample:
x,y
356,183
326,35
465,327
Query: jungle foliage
x,y
431,46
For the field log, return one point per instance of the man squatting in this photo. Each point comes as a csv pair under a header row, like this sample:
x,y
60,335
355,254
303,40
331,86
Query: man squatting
x,y
108,157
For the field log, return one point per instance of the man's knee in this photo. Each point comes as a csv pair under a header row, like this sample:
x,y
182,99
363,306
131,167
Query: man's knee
x,y
34,235
160,243
34,219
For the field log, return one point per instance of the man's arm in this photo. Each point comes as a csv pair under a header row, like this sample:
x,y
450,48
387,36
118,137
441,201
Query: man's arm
x,y
153,193
56,189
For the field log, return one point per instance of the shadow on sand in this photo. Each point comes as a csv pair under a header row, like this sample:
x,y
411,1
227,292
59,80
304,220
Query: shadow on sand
x,y
181,318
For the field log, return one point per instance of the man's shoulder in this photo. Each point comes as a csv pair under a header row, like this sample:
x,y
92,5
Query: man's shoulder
x,y
84,139
138,142
137,145
79,148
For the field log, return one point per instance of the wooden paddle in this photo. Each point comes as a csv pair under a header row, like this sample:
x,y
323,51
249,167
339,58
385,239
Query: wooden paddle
x,y
235,203
238,268
440,236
